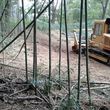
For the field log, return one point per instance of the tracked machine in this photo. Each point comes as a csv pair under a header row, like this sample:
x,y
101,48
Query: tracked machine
x,y
99,43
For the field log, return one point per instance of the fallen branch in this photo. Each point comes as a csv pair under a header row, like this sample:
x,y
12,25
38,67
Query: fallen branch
x,y
92,88
107,83
25,98
45,99
19,91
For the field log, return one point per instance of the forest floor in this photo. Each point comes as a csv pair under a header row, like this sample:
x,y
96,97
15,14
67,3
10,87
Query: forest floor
x,y
13,72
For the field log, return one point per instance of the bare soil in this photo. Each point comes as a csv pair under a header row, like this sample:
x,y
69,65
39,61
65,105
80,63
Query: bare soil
x,y
99,72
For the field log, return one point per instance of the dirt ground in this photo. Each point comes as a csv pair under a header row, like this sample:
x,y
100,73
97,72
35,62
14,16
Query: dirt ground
x,y
99,72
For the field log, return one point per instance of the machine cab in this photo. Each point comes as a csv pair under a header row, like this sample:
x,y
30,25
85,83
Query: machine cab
x,y
101,34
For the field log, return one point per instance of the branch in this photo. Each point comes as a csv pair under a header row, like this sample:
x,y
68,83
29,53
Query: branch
x,y
102,5
22,98
22,46
92,88
15,26
26,27
4,10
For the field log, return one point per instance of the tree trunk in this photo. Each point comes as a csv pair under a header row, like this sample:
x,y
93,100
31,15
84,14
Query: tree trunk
x,y
18,15
104,8
54,15
7,16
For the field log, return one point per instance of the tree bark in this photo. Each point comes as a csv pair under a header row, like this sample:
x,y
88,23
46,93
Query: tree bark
x,y
54,9
104,7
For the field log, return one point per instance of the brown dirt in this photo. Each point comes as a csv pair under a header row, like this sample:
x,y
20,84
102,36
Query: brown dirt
x,y
98,71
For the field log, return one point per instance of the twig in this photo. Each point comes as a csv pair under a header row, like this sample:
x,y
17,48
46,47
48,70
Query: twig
x,y
76,83
38,103
46,100
71,90
108,83
25,98
92,88
19,91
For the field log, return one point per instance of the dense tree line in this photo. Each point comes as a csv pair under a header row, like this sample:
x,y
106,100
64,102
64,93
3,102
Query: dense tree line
x,y
97,9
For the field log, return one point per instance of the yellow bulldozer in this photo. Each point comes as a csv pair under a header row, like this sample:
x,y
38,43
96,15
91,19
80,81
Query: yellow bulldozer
x,y
99,43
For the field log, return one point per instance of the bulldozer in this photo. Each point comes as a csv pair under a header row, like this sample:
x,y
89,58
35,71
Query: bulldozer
x,y
99,42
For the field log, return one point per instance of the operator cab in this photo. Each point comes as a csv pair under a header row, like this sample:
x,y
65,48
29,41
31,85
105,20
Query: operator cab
x,y
101,35
108,23
98,29
101,27
109,28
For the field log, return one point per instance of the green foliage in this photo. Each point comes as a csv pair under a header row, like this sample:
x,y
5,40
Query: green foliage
x,y
73,10
95,11
42,25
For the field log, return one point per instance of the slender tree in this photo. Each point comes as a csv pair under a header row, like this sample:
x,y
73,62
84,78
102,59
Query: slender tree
x,y
54,11
104,4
